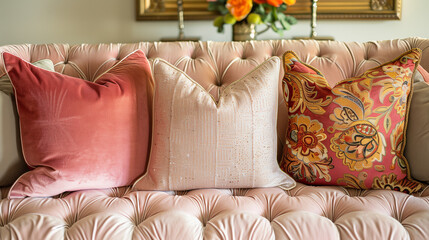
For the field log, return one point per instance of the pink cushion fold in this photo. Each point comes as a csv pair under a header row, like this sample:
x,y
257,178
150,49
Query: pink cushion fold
x,y
78,134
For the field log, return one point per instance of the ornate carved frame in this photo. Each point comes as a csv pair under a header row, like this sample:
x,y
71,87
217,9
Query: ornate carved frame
x,y
327,9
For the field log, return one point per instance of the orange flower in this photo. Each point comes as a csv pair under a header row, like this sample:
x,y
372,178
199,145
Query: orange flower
x,y
275,3
289,2
239,8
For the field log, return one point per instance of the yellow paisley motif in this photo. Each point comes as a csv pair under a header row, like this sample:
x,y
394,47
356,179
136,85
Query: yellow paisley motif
x,y
398,90
392,183
350,180
303,93
359,145
304,96
355,104
316,77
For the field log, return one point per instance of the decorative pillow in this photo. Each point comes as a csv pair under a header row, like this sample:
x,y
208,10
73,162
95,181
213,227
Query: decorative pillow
x,y
11,161
417,146
78,134
6,86
352,134
200,143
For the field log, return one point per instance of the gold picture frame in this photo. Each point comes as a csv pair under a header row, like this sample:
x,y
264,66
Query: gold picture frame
x,y
147,10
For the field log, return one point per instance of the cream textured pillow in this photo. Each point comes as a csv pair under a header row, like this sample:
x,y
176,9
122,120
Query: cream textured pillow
x,y
200,143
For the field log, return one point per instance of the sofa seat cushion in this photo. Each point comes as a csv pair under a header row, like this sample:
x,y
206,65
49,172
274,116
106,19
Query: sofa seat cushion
x,y
260,213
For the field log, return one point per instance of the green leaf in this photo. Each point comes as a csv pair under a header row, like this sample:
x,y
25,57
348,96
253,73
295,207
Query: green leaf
x,y
260,9
285,24
274,13
266,5
212,6
268,19
282,8
291,19
218,6
282,19
220,29
223,10
274,27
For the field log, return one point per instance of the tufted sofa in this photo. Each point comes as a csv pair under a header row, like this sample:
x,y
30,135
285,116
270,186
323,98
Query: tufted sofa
x,y
305,212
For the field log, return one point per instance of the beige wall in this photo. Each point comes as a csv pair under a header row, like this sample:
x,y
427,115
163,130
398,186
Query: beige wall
x,y
95,21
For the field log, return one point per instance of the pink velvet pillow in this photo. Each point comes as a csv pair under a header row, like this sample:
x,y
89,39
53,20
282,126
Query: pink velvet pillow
x,y
352,134
78,134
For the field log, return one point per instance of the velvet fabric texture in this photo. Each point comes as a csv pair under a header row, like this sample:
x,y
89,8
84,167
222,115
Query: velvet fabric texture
x,y
78,134
202,143
352,134
11,160
417,149
5,84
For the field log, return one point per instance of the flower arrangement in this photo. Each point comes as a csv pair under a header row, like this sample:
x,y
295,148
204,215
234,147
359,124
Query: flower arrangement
x,y
268,12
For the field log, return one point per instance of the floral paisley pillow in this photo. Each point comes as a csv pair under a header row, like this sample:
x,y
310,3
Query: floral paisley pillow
x,y
352,134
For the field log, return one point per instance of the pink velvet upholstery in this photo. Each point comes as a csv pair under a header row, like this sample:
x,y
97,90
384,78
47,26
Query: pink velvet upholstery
x,y
302,213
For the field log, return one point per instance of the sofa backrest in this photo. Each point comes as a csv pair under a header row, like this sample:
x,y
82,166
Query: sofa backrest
x,y
216,64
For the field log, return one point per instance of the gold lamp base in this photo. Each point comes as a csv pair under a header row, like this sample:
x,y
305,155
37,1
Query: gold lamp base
x,y
313,24
181,27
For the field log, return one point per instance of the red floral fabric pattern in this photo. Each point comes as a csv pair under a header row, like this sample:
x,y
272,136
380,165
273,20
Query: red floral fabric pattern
x,y
352,134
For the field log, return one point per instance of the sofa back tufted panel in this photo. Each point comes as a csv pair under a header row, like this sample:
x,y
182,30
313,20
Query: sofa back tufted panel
x,y
304,212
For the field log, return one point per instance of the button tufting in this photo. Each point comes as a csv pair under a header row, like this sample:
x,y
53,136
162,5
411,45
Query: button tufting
x,y
118,192
238,192
71,221
366,56
180,193
137,219
61,195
